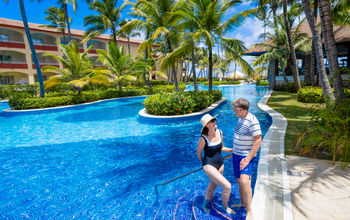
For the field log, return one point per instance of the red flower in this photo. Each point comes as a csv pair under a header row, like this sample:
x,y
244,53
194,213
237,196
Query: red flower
x,y
177,109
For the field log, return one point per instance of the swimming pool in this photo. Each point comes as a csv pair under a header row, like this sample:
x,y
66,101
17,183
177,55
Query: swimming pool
x,y
101,161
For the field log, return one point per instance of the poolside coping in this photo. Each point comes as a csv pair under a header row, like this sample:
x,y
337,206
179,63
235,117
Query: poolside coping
x,y
272,196
161,118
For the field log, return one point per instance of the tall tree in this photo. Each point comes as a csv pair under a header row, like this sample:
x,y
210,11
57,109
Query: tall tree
x,y
108,15
32,49
63,4
331,49
127,33
56,17
293,64
327,90
209,15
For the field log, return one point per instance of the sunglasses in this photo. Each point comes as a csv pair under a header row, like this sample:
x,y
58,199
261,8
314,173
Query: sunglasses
x,y
212,120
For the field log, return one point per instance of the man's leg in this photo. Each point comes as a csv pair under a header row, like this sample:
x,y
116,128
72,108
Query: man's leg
x,y
246,193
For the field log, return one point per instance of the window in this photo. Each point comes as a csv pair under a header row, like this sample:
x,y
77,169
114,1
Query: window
x,y
36,78
5,59
7,80
4,37
37,41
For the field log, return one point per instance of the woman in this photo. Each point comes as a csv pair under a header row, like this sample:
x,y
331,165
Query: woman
x,y
211,141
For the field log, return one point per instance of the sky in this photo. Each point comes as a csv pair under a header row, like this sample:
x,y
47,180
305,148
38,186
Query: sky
x,y
248,32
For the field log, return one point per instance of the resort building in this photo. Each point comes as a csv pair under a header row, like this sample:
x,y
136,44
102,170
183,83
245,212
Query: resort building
x,y
16,64
342,40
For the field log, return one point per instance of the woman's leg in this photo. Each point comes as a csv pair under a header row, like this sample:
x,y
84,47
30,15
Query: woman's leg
x,y
216,178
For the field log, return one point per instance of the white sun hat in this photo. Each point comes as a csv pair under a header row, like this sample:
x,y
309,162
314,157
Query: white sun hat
x,y
206,119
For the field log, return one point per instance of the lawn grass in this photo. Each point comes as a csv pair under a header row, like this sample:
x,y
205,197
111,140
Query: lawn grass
x,y
297,114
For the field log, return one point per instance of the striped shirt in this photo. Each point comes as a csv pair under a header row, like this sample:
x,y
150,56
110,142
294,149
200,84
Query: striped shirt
x,y
245,130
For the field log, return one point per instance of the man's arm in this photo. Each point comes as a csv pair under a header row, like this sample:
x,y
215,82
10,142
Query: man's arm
x,y
252,153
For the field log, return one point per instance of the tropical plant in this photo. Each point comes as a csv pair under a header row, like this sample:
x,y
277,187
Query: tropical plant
x,y
127,33
78,68
328,134
56,16
209,16
121,65
107,17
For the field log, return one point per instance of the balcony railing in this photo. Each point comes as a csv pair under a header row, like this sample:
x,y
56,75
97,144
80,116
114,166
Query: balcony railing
x,y
50,47
12,44
13,65
46,64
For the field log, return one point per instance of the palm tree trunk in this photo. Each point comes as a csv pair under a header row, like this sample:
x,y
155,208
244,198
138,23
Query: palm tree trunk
x,y
146,57
114,32
64,36
32,49
283,72
210,73
331,49
193,58
67,20
174,73
294,66
314,81
129,44
327,90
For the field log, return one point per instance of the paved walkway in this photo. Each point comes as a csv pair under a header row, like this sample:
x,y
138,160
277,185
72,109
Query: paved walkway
x,y
297,187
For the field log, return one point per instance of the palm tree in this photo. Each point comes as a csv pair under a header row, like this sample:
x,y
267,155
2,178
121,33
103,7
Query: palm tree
x,y
127,33
277,47
56,16
340,12
107,17
63,4
327,90
32,49
78,68
331,49
209,16
120,64
293,63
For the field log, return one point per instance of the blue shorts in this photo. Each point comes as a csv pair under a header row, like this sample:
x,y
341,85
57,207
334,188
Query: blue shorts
x,y
236,161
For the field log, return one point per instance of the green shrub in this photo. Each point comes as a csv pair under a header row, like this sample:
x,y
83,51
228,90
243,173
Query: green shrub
x,y
262,83
216,83
34,103
166,88
14,90
179,103
290,87
328,134
310,95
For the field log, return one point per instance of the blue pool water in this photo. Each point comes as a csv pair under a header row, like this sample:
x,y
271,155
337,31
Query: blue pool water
x,y
101,161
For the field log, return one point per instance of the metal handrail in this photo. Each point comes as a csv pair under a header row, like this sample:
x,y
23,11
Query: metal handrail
x,y
178,177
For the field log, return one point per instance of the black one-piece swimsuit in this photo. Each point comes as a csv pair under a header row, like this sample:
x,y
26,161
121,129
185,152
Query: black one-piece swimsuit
x,y
212,154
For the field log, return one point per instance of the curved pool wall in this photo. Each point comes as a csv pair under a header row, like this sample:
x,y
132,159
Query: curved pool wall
x,y
101,161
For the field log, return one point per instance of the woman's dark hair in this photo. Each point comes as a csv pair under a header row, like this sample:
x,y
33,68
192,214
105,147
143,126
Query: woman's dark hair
x,y
205,130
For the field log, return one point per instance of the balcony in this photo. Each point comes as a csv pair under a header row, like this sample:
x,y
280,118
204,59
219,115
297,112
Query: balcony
x,y
12,44
45,64
13,65
47,47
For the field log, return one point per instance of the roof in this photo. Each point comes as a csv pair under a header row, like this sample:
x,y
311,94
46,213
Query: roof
x,y
341,35
77,33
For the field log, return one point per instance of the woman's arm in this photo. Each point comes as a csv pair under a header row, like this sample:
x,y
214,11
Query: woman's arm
x,y
201,144
224,149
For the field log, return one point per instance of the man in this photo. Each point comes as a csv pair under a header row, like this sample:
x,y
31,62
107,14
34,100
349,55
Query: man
x,y
246,143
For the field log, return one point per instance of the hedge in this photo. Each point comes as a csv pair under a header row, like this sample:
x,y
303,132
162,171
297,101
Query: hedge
x,y
20,102
6,91
262,83
180,103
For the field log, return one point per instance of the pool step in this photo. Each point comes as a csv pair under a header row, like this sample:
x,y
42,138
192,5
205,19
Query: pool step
x,y
188,206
